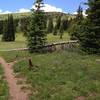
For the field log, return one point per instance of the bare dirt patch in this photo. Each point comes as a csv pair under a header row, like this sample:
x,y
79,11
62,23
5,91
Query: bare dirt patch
x,y
16,93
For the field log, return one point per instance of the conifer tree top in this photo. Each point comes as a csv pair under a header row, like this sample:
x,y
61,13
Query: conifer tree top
x,y
38,1
38,5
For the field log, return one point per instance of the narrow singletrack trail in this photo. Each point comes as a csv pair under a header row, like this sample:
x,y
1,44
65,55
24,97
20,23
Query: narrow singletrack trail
x,y
14,89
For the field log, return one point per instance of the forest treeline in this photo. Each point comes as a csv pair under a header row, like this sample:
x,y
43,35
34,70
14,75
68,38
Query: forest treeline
x,y
85,29
21,21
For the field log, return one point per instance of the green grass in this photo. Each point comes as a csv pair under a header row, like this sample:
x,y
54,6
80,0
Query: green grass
x,y
11,45
21,15
63,75
51,38
21,41
15,15
10,56
4,94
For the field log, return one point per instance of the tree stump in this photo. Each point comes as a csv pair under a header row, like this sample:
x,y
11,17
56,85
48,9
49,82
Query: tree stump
x,y
30,63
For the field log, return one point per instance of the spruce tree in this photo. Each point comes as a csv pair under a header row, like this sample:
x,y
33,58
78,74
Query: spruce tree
x,y
37,29
90,36
55,31
65,24
58,22
4,36
61,28
79,16
1,26
74,30
50,26
57,25
9,30
16,24
24,22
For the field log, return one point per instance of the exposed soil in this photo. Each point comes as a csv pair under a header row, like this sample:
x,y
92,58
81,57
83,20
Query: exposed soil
x,y
81,98
15,91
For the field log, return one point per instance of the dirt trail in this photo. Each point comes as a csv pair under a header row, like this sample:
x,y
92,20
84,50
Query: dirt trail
x,y
15,90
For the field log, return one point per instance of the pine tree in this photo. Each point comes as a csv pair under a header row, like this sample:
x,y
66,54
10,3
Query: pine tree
x,y
37,29
61,29
74,31
65,24
50,26
55,31
57,25
58,22
24,22
11,28
90,37
4,36
16,24
9,32
79,16
1,26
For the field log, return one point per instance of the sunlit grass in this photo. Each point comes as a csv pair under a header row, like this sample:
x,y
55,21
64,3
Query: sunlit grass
x,y
21,42
56,38
63,75
4,93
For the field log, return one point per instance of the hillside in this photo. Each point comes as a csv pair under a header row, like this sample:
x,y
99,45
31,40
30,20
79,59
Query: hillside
x,y
21,15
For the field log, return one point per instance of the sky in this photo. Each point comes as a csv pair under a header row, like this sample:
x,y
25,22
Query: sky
x,y
70,6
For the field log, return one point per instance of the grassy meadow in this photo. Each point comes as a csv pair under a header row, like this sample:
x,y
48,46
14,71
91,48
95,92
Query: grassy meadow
x,y
61,75
21,41
4,94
